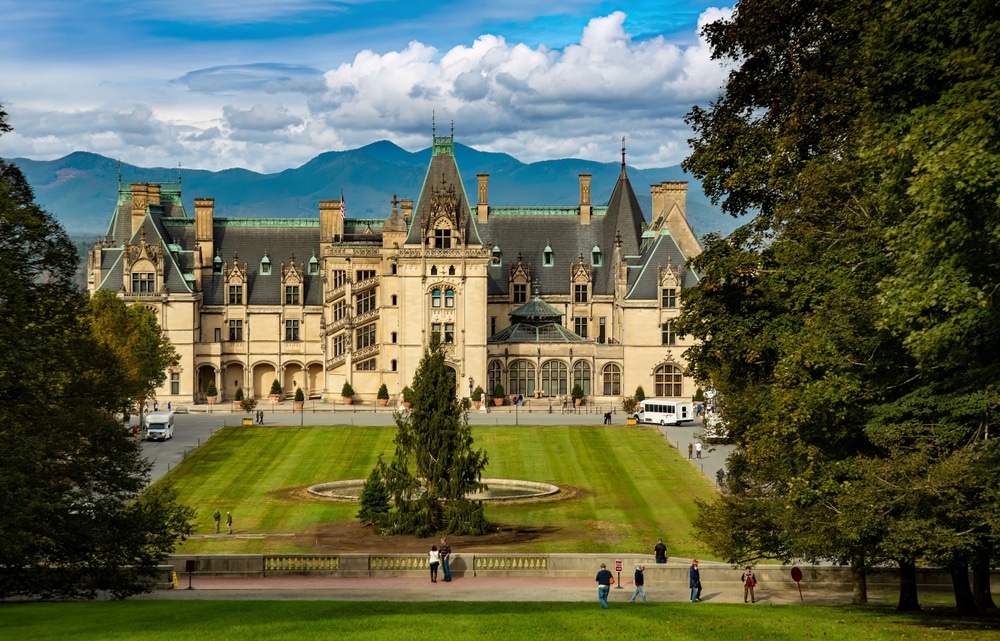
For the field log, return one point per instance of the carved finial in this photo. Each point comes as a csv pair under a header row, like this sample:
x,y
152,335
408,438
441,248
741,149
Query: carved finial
x,y
433,124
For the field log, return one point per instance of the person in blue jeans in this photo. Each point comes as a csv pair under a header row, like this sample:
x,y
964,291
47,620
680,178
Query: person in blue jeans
x,y
639,581
445,552
604,581
694,581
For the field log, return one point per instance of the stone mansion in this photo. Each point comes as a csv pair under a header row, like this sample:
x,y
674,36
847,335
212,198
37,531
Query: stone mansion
x,y
536,298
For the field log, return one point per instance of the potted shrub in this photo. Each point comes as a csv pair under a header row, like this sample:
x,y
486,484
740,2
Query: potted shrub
x,y
275,395
407,397
300,398
499,394
640,394
347,392
577,395
383,395
477,396
211,393
238,398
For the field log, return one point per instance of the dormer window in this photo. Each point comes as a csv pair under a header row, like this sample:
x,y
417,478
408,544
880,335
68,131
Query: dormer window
x,y
496,256
265,266
217,265
547,257
595,256
313,265
442,239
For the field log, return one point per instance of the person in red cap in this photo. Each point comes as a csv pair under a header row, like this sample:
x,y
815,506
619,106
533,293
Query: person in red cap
x,y
694,581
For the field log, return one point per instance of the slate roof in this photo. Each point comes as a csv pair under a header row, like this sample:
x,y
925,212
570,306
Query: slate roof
x,y
442,173
536,322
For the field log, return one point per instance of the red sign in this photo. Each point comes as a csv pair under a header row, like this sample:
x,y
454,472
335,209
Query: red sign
x,y
796,574
618,565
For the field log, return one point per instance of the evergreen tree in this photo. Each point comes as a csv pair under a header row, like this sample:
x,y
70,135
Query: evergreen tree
x,y
374,498
74,517
434,466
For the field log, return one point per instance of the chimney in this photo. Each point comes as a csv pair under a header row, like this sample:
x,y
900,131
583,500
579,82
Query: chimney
x,y
204,222
407,204
140,199
670,203
483,207
331,223
585,208
154,193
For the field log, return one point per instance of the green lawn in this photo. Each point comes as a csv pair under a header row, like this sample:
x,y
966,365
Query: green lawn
x,y
629,486
445,621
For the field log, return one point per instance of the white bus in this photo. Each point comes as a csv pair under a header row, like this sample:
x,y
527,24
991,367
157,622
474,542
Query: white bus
x,y
664,411
159,426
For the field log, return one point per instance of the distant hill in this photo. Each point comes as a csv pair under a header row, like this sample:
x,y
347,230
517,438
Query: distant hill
x,y
80,189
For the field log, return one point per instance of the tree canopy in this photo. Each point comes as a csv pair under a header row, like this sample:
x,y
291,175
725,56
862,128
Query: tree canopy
x,y
434,467
74,517
851,324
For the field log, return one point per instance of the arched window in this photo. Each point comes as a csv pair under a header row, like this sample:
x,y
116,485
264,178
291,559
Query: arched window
x,y
449,298
595,256
451,270
612,377
265,265
554,375
436,298
494,375
581,376
434,270
522,379
548,258
668,381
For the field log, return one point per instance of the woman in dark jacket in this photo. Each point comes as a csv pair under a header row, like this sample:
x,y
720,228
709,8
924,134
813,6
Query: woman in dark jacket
x,y
694,581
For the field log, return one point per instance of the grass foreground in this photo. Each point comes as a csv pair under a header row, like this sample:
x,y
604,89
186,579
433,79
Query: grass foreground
x,y
625,487
443,621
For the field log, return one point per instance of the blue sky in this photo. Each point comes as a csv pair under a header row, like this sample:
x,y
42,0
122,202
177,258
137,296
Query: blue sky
x,y
269,84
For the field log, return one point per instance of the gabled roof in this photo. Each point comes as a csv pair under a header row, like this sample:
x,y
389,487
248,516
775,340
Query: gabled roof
x,y
443,175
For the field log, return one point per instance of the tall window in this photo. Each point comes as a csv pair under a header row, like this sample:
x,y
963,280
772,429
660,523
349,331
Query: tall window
x,y
522,378
236,294
493,325
580,326
436,298
235,330
668,380
365,336
554,375
291,330
602,331
364,302
143,283
612,377
668,335
494,375
442,239
668,297
339,310
338,278
520,293
449,298
291,294
580,291
449,334
218,334
364,274
581,376
175,383
341,343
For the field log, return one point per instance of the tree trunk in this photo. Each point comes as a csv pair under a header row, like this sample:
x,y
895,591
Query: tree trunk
x,y
981,581
964,601
908,601
859,579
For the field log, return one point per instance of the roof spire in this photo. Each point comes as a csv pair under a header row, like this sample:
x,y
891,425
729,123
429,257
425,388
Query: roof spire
x,y
623,156
433,125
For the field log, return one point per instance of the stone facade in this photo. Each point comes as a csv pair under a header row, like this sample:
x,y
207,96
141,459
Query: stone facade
x,y
536,298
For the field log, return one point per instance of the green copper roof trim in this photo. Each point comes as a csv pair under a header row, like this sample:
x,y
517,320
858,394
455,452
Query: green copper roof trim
x,y
443,146
244,222
540,210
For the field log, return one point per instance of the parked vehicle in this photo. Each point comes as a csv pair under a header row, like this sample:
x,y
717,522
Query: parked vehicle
x,y
664,411
716,428
159,426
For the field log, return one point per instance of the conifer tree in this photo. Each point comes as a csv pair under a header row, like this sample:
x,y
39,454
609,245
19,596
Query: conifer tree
x,y
374,498
434,466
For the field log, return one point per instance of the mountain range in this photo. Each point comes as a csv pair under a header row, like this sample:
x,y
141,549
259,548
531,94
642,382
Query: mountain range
x,y
80,189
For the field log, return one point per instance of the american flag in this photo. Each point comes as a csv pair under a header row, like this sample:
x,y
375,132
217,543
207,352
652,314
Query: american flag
x,y
343,205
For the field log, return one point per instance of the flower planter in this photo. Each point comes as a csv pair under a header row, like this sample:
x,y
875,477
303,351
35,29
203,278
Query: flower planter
x,y
348,400
578,402
274,398
498,402
382,402
211,399
299,404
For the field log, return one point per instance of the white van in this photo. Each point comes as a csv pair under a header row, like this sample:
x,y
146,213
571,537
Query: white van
x,y
664,411
159,426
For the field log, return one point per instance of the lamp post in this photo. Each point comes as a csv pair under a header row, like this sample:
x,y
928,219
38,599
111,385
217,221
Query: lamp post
x,y
470,389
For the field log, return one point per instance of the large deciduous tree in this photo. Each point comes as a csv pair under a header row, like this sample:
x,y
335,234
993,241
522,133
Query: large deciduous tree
x,y
74,520
434,467
852,323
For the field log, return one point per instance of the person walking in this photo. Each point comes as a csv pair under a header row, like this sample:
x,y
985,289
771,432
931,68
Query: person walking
x,y
690,450
445,553
697,450
434,560
660,551
229,521
607,418
749,581
694,581
639,581
604,582
218,520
